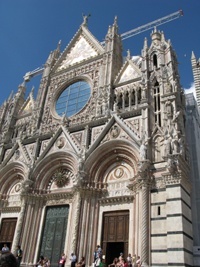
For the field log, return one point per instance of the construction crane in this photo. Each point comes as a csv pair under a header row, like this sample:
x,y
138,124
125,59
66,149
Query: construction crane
x,y
151,25
124,36
33,73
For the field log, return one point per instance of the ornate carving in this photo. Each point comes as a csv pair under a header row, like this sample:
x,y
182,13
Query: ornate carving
x,y
114,131
26,186
60,142
119,172
61,177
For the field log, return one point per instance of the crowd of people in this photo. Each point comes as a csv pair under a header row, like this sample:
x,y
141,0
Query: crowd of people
x,y
121,261
7,258
130,261
73,260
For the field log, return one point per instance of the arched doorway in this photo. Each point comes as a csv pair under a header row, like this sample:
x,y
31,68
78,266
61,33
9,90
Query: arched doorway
x,y
54,233
115,234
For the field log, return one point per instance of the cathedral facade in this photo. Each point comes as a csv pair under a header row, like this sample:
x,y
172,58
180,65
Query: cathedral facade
x,y
99,157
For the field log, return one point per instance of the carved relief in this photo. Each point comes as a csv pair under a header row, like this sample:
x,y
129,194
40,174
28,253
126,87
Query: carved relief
x,y
135,125
61,177
96,132
114,131
78,138
60,142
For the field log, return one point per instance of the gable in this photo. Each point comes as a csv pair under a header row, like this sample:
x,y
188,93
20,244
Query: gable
x,y
128,74
82,50
27,107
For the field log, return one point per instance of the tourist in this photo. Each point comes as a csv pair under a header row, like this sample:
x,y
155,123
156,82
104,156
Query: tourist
x,y
62,260
41,261
138,262
98,252
5,248
97,261
7,259
81,263
19,255
73,259
129,260
114,263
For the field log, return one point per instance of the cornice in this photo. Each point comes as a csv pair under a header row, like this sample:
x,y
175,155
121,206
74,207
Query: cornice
x,y
116,200
11,210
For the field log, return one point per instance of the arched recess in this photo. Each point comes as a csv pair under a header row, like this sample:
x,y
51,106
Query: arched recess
x,y
11,175
157,148
47,166
108,154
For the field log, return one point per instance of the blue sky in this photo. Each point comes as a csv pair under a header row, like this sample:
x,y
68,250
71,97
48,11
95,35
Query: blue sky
x,y
31,29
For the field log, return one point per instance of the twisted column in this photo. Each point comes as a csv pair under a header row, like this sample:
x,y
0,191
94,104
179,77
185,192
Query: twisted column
x,y
18,227
145,225
76,222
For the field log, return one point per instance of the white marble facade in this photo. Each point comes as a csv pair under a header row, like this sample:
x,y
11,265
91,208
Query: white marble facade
x,y
122,150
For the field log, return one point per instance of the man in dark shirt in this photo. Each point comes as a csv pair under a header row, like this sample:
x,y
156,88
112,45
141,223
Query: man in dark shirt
x,y
19,255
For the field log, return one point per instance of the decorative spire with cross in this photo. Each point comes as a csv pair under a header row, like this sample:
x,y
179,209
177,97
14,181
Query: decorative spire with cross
x,y
85,19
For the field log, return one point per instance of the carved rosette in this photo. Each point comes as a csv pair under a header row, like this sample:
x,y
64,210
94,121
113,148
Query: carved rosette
x,y
61,177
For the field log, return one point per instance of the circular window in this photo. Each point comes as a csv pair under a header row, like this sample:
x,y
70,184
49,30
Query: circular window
x,y
73,99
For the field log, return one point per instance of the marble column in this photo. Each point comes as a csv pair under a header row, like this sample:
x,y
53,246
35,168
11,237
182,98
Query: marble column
x,y
145,224
18,230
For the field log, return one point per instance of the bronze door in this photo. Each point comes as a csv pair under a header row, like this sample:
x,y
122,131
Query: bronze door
x,y
7,231
115,234
54,233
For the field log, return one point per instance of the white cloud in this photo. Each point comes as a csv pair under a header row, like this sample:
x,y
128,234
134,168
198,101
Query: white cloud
x,y
190,90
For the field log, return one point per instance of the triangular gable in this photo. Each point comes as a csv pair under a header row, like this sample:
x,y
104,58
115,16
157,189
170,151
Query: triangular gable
x,y
17,153
60,141
128,72
101,133
157,131
28,106
82,47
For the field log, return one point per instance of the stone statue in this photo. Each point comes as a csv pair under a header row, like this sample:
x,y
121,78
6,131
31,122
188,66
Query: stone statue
x,y
175,144
168,145
169,110
181,145
143,151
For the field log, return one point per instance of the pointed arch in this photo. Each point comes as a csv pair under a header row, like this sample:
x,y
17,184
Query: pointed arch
x,y
46,167
11,174
108,154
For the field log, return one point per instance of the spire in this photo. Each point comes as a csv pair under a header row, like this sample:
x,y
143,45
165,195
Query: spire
x,y
115,21
145,44
193,55
156,35
58,46
115,26
162,37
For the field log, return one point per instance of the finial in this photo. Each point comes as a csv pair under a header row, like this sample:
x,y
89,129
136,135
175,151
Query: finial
x,y
128,54
145,43
85,19
115,20
58,46
192,56
162,36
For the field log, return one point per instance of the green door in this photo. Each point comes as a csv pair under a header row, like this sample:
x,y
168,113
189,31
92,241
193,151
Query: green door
x,y
54,233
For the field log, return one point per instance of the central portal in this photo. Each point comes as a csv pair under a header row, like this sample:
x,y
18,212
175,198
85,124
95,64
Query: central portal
x,y
115,234
54,233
